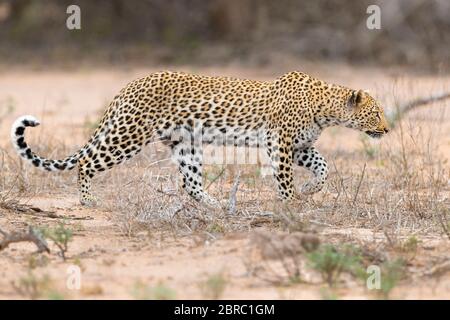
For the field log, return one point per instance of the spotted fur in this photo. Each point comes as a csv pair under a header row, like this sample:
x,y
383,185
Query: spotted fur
x,y
285,116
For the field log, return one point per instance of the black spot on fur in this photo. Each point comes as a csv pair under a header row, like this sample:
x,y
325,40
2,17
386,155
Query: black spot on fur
x,y
20,131
21,143
29,153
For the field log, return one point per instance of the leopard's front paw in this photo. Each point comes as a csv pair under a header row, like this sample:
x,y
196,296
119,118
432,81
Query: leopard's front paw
x,y
88,200
312,187
210,201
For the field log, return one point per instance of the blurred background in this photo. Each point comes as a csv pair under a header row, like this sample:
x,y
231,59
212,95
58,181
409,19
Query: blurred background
x,y
414,33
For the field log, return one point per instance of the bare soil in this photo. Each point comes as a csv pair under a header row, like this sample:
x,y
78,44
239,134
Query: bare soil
x,y
380,195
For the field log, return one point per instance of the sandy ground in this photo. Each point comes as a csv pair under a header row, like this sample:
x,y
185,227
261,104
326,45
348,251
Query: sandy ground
x,y
160,263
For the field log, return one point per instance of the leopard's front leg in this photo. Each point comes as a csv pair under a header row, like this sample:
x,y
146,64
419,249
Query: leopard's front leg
x,y
313,161
279,149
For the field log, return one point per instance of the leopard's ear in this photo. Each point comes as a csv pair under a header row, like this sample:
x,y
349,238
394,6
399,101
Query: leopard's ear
x,y
356,98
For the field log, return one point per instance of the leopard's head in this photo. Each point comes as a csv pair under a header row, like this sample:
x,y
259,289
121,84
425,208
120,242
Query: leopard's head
x,y
366,114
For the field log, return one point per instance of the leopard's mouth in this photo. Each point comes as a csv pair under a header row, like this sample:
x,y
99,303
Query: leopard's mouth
x,y
375,134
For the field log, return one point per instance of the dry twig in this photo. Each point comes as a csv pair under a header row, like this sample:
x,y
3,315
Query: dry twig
x,y
32,236
234,189
403,109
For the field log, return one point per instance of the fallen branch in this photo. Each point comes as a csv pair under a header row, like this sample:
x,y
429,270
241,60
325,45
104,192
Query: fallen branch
x,y
16,206
396,115
31,236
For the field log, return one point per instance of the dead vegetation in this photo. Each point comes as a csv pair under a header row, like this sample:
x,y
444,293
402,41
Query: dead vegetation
x,y
409,165
383,202
32,235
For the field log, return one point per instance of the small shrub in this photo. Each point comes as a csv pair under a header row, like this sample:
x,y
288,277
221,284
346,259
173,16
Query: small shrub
x,y
55,295
35,261
160,292
391,273
61,236
214,286
327,294
331,262
410,246
31,286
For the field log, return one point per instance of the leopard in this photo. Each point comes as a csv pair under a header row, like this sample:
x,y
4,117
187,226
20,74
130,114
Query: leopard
x,y
284,116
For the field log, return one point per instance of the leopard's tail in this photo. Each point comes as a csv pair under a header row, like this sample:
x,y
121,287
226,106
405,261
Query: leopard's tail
x,y
18,141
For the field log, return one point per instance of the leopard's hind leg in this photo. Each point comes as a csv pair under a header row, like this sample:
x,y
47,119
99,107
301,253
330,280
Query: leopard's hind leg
x,y
188,154
84,184
111,149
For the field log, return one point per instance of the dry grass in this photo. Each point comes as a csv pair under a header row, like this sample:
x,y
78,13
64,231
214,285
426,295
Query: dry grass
x,y
397,188
400,183
401,186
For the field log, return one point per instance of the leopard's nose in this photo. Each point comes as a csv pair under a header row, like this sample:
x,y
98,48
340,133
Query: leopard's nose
x,y
386,130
